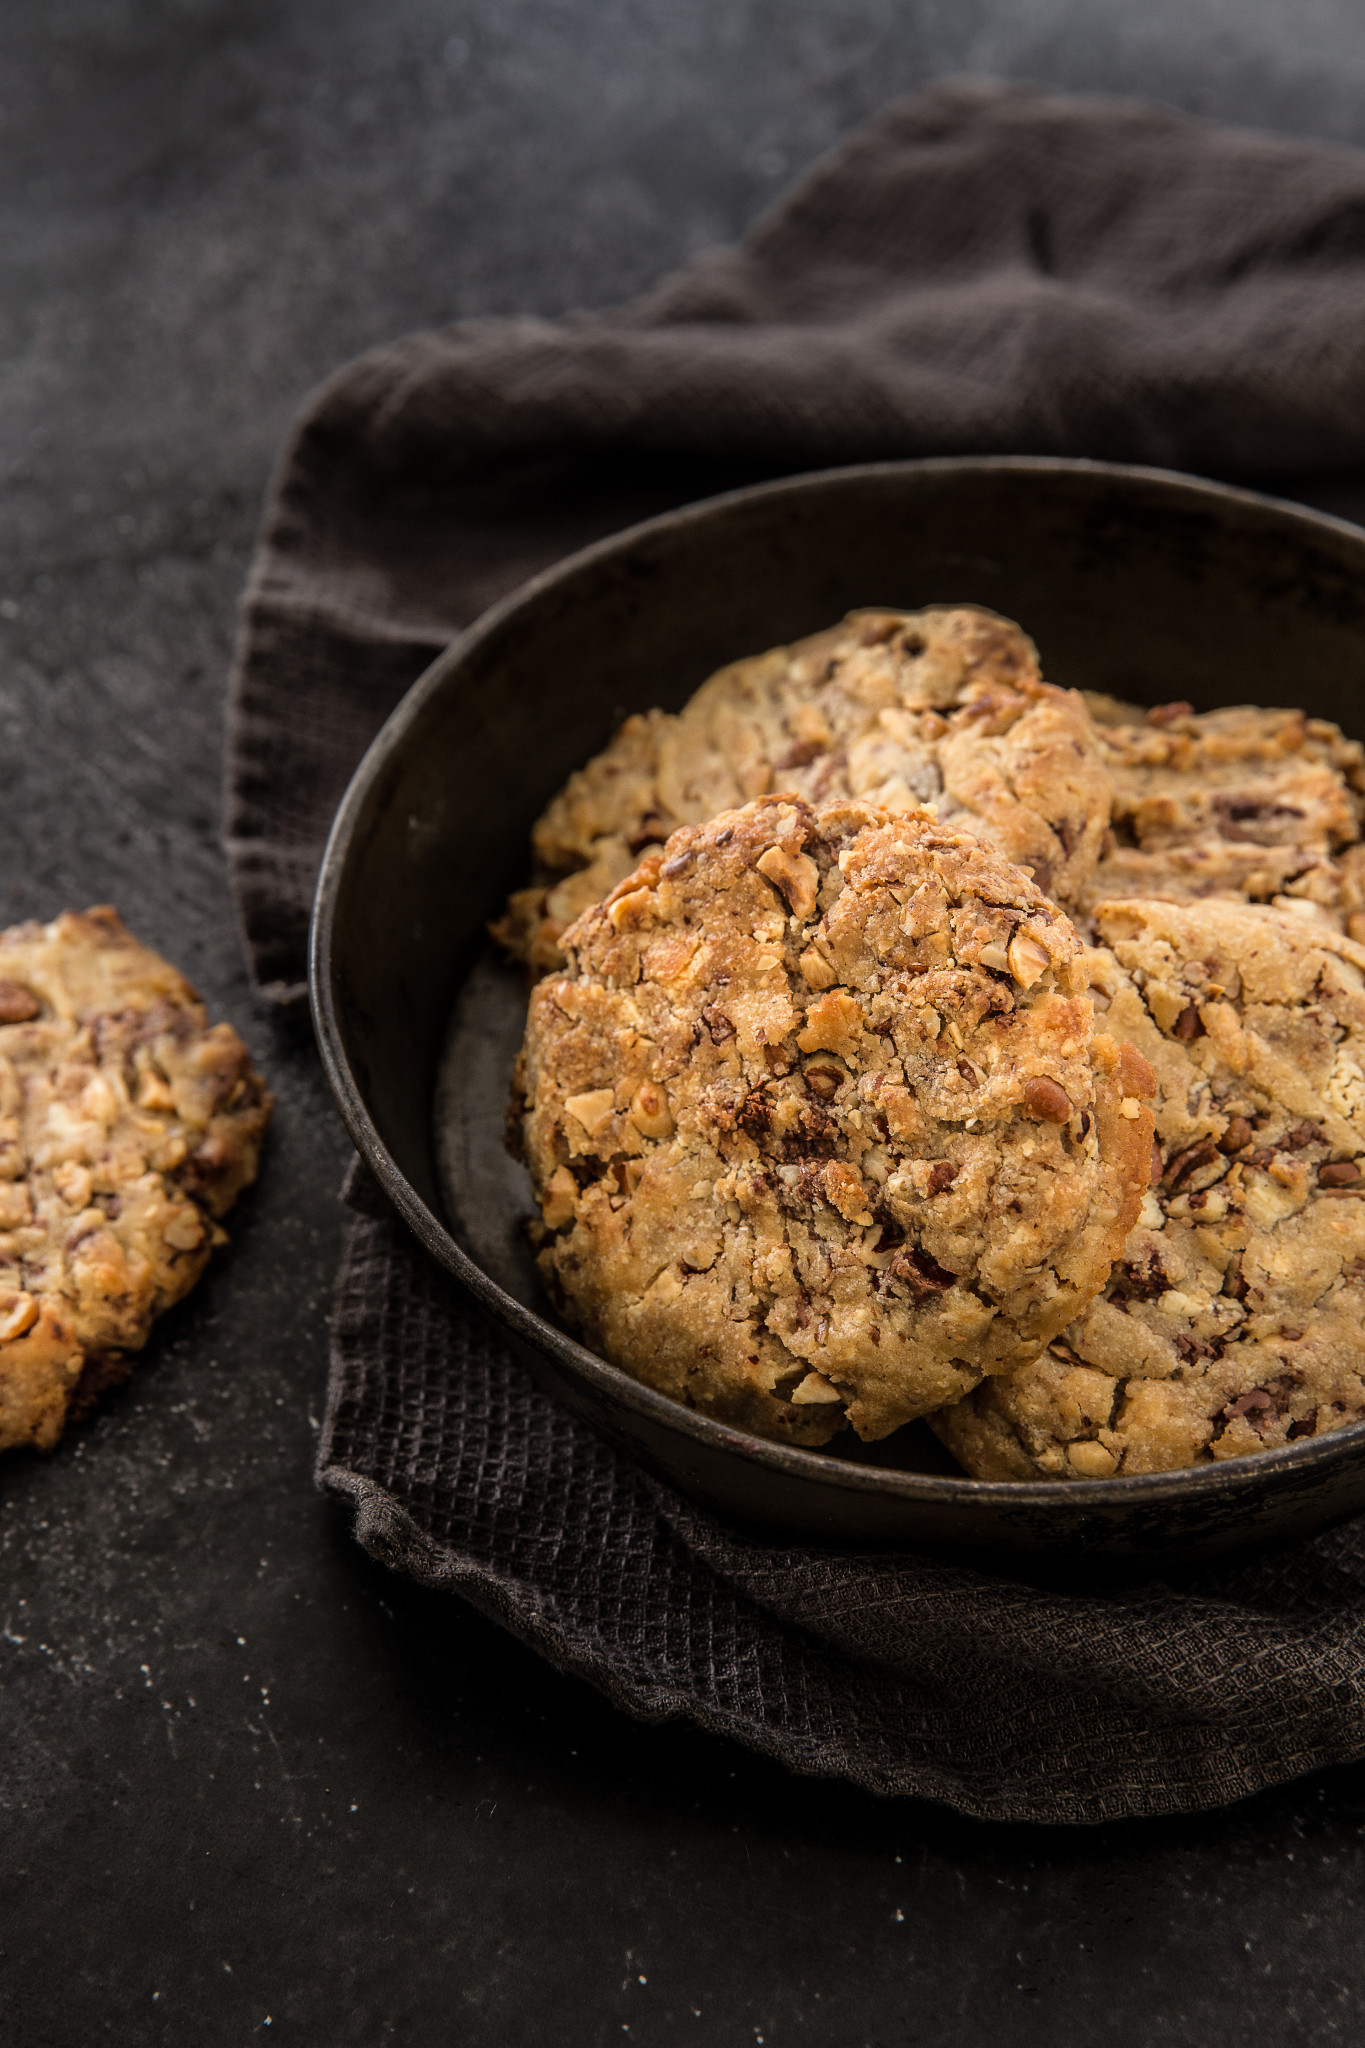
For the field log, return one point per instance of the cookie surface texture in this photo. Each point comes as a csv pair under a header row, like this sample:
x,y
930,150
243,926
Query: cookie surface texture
x,y
944,705
1261,805
128,1125
1235,1319
819,1123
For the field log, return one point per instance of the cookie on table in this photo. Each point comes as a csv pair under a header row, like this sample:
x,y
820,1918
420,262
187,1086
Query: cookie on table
x,y
944,705
128,1126
819,1123
1235,1319
1260,805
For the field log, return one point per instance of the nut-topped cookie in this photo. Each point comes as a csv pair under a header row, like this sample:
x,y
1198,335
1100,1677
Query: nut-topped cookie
x,y
944,705
819,1123
128,1126
1235,1319
1256,804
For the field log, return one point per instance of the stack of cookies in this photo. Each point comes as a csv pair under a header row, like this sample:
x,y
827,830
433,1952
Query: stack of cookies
x,y
916,1039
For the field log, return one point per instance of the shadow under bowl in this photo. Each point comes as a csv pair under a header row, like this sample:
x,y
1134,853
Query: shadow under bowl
x,y
1148,585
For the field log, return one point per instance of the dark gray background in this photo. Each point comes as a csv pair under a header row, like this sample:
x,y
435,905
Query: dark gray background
x,y
251,1786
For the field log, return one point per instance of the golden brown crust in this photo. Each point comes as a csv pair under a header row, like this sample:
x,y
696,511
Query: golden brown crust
x,y
815,1119
127,1125
1235,1319
944,705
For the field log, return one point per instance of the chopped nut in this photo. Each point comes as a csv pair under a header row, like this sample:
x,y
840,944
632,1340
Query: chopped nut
x,y
996,957
815,1387
1338,1173
628,912
717,1023
795,875
1189,1024
1046,1101
98,1101
824,1077
1237,1136
809,726
19,1314
817,970
1092,1461
593,1109
1130,1107
17,1005
1028,959
649,1111
185,1231
153,1092
561,1198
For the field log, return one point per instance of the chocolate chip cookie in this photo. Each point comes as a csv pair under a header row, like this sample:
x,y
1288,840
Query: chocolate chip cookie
x,y
819,1123
128,1126
1261,805
1235,1319
944,705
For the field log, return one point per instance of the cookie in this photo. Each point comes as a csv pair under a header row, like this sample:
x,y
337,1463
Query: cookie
x,y
818,1121
944,705
1235,1319
1260,805
128,1126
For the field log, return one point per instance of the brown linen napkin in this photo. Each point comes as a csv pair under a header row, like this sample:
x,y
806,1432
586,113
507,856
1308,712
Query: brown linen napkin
x,y
903,1674
981,268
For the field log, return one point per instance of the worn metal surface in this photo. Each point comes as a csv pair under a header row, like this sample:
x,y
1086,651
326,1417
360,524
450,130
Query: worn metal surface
x,y
245,1775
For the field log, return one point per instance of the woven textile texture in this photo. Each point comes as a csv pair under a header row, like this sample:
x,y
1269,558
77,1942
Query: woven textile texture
x,y
979,269
903,1674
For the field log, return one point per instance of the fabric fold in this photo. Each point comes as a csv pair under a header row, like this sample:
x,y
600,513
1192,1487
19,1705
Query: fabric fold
x,y
980,269
904,1674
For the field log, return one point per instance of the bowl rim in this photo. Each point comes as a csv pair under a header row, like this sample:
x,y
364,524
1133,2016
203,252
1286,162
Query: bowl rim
x,y
814,1467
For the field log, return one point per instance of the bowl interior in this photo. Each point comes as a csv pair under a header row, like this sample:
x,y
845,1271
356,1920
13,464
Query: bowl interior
x,y
1145,585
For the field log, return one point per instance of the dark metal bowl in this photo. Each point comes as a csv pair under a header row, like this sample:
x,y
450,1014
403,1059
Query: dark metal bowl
x,y
1145,584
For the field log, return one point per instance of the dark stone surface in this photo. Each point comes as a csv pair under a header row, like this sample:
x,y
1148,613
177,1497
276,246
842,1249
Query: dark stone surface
x,y
251,1786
